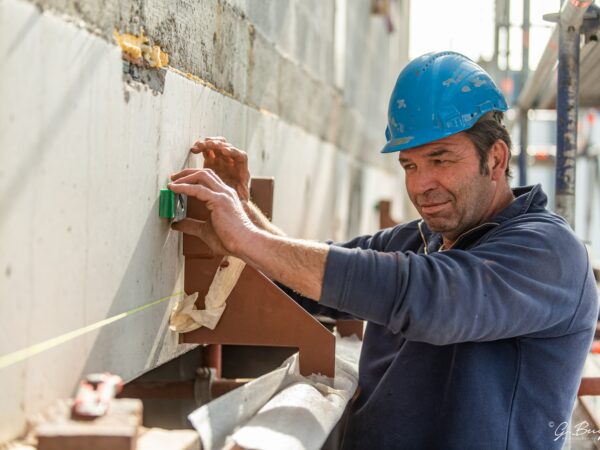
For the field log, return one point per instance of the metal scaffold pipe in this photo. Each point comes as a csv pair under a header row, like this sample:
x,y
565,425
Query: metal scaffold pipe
x,y
571,14
523,120
541,75
567,102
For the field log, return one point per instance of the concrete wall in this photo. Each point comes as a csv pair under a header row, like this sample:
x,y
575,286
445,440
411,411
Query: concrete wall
x,y
84,150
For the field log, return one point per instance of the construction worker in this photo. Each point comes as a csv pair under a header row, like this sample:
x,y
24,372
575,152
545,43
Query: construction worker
x,y
480,315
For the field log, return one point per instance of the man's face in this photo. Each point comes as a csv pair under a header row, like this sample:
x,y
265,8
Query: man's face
x,y
444,182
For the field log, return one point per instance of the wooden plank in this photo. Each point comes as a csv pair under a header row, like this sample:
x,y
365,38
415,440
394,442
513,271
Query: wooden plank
x,y
116,430
159,439
590,404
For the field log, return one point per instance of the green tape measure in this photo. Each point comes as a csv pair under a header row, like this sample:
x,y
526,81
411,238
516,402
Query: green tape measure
x,y
172,205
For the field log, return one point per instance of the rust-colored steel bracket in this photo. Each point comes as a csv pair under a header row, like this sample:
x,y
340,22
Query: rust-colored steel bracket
x,y
350,327
589,386
258,312
385,214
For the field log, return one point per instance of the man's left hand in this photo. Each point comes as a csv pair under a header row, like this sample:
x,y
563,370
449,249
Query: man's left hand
x,y
227,161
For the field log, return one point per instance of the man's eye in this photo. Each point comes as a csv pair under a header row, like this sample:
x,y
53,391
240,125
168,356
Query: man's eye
x,y
408,166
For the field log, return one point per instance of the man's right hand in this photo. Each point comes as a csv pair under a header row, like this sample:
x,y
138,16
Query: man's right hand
x,y
229,230
296,263
228,162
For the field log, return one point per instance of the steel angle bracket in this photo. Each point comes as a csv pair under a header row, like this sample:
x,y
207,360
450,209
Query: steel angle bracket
x,y
258,312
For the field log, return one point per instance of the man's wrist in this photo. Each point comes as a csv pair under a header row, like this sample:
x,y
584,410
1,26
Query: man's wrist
x,y
252,211
252,243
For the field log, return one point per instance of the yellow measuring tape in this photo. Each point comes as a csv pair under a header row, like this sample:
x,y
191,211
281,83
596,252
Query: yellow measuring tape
x,y
20,355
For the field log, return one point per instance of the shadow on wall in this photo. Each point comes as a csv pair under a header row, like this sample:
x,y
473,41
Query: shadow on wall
x,y
316,193
152,273
22,34
50,130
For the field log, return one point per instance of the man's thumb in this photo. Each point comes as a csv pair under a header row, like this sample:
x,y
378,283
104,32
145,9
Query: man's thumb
x,y
189,226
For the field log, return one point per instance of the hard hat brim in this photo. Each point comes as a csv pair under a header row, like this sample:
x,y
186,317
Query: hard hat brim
x,y
416,140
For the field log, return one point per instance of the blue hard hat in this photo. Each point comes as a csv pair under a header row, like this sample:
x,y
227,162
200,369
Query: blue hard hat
x,y
437,95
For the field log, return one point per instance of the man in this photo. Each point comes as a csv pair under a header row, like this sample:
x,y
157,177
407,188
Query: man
x,y
480,315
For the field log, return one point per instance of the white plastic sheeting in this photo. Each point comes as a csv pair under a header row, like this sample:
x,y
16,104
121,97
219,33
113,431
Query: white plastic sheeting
x,y
282,409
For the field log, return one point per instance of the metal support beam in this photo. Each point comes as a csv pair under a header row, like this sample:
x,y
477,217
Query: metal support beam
x,y
523,143
567,103
523,119
507,38
571,13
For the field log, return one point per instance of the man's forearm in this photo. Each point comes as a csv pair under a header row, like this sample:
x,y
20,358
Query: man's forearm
x,y
296,263
259,219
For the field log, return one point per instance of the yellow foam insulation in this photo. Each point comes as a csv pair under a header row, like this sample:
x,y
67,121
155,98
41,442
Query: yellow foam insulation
x,y
137,50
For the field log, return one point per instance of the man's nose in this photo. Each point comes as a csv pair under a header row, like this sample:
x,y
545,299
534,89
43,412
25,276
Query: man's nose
x,y
422,181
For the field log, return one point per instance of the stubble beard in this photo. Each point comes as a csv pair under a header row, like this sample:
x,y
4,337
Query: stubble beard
x,y
461,217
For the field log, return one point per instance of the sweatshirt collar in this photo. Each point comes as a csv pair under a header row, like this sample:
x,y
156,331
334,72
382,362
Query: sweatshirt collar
x,y
527,199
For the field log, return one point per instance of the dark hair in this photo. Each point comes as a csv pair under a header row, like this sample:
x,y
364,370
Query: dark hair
x,y
486,131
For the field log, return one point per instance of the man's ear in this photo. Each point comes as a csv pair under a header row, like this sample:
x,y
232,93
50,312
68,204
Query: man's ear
x,y
498,159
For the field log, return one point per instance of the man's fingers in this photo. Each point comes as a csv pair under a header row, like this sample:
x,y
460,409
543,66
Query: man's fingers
x,y
215,138
182,177
189,226
210,148
193,190
210,138
201,177
215,147
202,230
209,142
183,173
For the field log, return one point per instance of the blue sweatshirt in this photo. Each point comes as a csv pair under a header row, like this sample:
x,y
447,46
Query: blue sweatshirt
x,y
477,347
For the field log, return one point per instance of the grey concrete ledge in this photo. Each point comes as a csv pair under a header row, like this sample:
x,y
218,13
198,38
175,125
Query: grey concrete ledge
x,y
216,42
